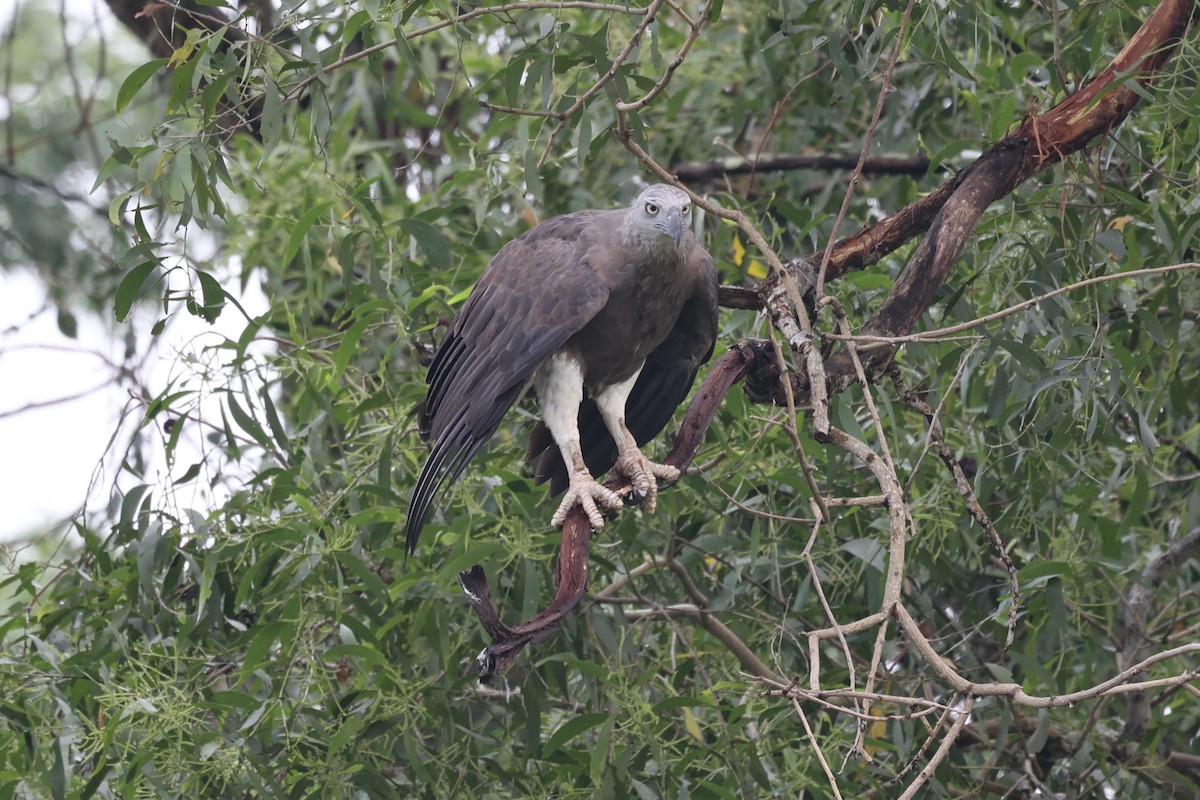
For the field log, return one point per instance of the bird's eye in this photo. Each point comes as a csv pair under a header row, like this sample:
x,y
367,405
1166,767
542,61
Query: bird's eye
x,y
687,209
652,209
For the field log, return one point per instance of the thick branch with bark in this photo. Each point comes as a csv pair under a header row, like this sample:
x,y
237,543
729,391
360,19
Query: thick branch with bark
x,y
949,215
570,580
570,575
163,28
1040,141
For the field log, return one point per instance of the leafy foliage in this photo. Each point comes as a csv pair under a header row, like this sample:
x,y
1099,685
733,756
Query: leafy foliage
x,y
238,620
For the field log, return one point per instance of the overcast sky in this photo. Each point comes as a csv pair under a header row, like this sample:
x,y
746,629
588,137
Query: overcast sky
x,y
60,405
50,452
60,402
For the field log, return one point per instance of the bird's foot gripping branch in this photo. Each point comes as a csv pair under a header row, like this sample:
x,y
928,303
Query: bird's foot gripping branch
x,y
570,575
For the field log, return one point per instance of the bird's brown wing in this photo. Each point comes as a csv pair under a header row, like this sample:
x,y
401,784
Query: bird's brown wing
x,y
665,381
538,290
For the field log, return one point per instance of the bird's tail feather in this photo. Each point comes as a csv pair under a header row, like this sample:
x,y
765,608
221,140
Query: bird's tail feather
x,y
447,461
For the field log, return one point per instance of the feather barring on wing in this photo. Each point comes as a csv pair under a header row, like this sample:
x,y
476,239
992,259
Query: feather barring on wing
x,y
608,315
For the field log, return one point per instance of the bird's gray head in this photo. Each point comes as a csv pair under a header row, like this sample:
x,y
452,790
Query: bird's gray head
x,y
658,217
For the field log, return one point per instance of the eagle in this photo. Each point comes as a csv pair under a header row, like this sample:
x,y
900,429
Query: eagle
x,y
607,315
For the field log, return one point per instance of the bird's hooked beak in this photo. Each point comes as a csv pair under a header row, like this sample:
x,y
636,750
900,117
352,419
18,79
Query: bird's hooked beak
x,y
672,225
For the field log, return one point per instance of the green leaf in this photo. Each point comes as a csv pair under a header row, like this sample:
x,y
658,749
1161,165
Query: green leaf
x,y
274,421
410,58
592,668
260,646
533,181
58,770
367,579
67,324
600,755
572,728
349,728
583,141
300,230
1041,732
247,422
716,790
384,470
189,475
349,346
271,126
213,91
869,551
213,297
430,240
134,82
1041,571
130,287
359,20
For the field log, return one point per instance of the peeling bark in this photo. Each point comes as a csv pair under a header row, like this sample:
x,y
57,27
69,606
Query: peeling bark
x,y
949,215
1038,142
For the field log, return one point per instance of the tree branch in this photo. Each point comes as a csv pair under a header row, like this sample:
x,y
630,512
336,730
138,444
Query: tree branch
x,y
1043,139
570,575
1137,611
949,214
702,171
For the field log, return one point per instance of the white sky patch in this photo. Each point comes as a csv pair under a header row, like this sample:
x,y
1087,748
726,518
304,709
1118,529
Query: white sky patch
x,y
51,448
66,415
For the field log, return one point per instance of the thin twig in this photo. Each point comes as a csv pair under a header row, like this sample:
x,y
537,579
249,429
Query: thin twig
x,y
963,485
793,430
814,660
529,5
672,65
751,662
941,333
868,138
617,62
816,746
943,750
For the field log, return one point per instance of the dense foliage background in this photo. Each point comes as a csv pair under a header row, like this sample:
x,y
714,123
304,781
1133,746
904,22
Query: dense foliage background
x,y
232,615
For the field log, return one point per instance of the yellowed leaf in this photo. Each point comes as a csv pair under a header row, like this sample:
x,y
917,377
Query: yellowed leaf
x,y
163,160
754,268
876,730
691,725
185,50
739,251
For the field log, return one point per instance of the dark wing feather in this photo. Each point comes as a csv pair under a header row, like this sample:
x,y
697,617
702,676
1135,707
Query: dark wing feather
x,y
538,290
664,383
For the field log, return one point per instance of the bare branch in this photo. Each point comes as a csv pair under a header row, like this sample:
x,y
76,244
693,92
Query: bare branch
x,y
616,65
749,661
963,485
914,166
941,334
960,719
816,746
1137,716
696,26
459,19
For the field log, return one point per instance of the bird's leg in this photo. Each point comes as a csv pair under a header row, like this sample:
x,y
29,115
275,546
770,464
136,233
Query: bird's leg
x,y
584,490
643,473
560,392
